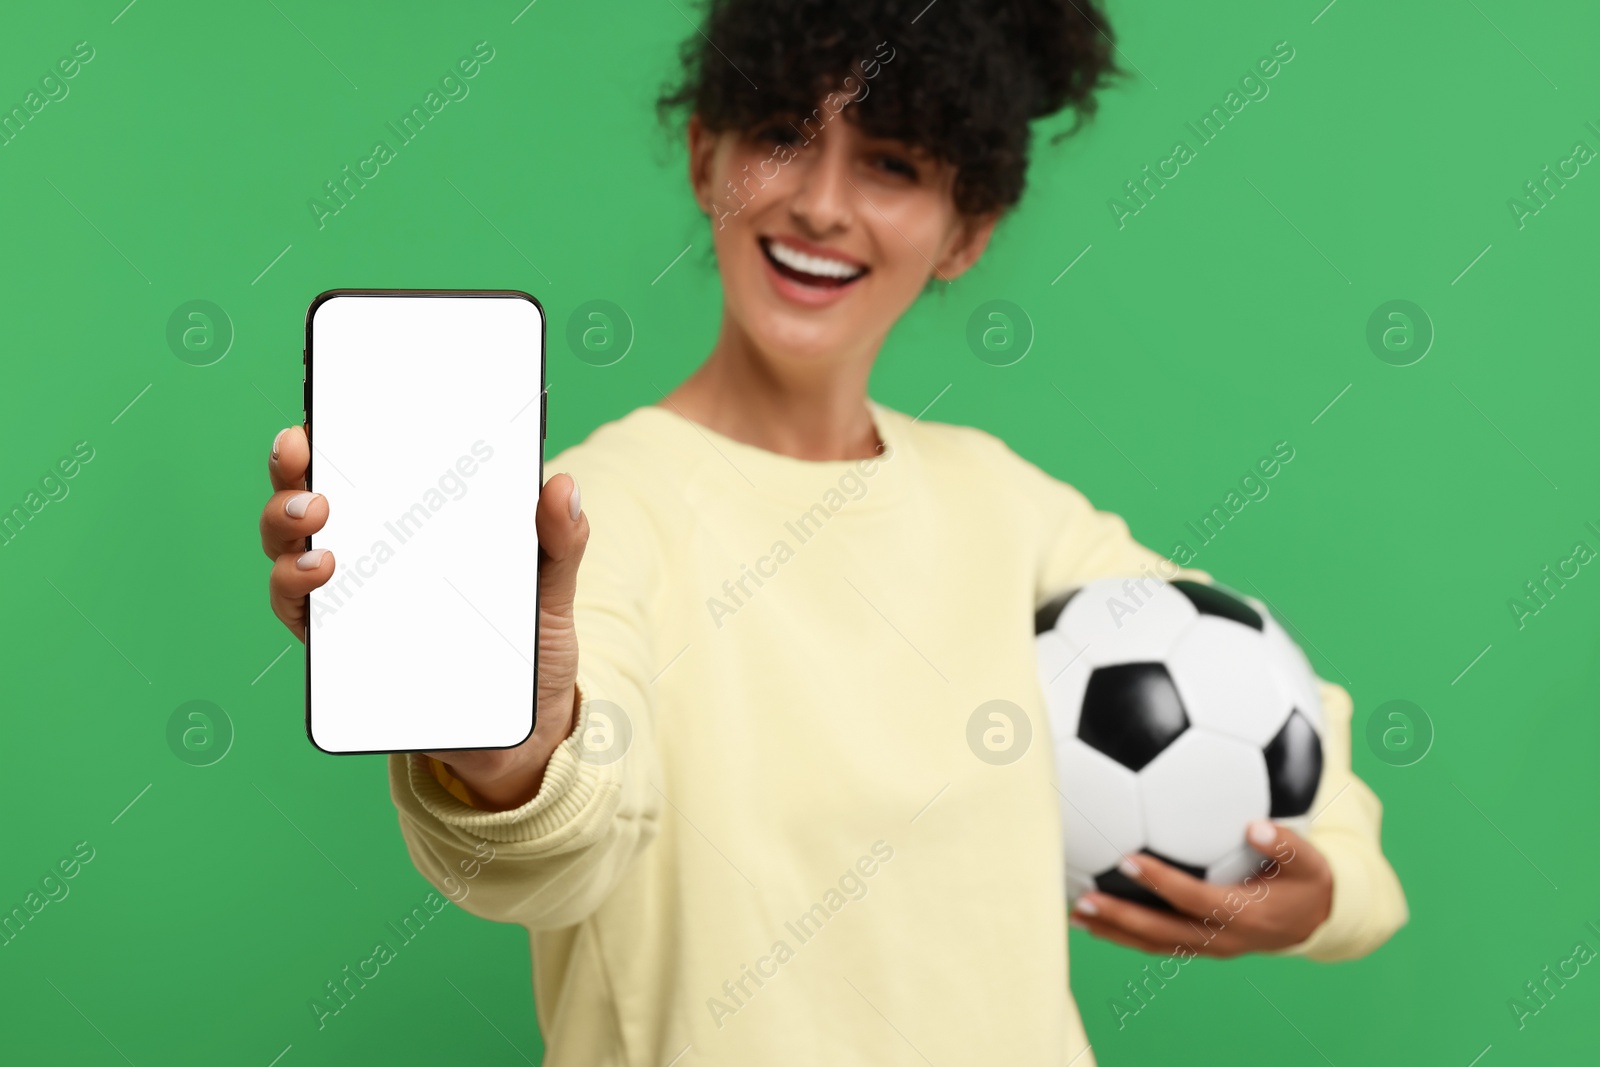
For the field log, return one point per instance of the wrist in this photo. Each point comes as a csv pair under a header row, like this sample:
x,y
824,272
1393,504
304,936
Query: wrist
x,y
511,786
516,781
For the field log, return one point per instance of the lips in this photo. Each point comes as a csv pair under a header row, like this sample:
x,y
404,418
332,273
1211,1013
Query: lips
x,y
811,266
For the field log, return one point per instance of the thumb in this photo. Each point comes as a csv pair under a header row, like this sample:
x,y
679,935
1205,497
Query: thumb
x,y
1285,849
563,535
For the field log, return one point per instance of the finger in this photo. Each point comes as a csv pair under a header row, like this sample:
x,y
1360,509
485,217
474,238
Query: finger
x,y
291,454
1224,946
1116,935
291,515
1289,852
563,534
294,574
1137,920
1179,888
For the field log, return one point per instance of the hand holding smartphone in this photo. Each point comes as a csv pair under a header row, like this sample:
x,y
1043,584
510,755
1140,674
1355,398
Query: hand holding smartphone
x,y
422,472
499,778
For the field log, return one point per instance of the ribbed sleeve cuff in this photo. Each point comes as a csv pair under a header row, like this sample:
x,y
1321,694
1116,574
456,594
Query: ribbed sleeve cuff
x,y
575,796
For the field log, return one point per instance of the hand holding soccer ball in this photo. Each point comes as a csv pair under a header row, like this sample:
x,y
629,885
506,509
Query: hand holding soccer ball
x,y
1275,907
1181,714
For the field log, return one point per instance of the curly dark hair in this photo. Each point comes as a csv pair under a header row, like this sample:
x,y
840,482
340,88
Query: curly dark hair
x,y
962,79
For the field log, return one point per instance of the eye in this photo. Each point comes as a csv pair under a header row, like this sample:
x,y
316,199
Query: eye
x,y
776,133
898,165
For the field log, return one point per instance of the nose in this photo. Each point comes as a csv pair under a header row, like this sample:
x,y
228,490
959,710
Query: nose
x,y
824,202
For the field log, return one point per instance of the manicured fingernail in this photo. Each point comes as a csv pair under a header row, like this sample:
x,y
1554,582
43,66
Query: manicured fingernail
x,y
310,561
575,502
1087,906
1128,867
1262,833
1077,923
296,505
277,441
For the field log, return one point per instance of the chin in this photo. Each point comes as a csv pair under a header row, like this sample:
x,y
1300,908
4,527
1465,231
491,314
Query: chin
x,y
784,339
784,333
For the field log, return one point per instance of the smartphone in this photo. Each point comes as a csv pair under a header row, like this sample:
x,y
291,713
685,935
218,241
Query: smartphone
x,y
425,409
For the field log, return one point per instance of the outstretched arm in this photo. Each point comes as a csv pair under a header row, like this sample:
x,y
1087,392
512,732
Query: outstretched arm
x,y
549,859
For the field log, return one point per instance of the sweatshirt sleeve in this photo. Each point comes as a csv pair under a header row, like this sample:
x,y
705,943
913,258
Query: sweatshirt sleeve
x,y
553,861
1346,824
1080,544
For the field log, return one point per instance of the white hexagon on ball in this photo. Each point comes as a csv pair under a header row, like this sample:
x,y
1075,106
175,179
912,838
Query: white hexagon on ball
x,y
1126,620
1103,820
1062,676
1225,675
1298,677
1200,793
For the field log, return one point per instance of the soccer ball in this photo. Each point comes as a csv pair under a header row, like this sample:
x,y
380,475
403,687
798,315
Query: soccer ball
x,y
1179,712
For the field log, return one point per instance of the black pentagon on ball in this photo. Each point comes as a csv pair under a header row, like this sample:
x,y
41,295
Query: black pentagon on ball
x,y
1294,766
1045,618
1120,885
1210,600
1131,712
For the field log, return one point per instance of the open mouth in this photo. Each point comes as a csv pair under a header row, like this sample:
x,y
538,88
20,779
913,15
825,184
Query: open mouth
x,y
803,268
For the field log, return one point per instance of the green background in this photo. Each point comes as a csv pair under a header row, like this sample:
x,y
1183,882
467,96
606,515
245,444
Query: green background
x,y
1223,318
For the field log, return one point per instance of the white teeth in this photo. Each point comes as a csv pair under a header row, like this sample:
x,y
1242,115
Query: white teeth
x,y
807,264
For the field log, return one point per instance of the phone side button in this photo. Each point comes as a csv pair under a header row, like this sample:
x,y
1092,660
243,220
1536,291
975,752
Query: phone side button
x,y
544,414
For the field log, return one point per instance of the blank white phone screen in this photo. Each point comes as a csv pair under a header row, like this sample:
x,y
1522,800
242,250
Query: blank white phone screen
x,y
426,434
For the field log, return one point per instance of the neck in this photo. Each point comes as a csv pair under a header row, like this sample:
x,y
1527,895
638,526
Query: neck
x,y
817,412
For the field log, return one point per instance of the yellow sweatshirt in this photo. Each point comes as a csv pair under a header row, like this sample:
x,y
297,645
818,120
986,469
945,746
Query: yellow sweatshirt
x,y
768,840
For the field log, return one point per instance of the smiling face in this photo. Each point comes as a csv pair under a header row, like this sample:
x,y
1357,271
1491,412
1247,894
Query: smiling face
x,y
823,243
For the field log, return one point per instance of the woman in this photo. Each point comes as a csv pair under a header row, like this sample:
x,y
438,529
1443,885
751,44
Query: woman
x,y
748,827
